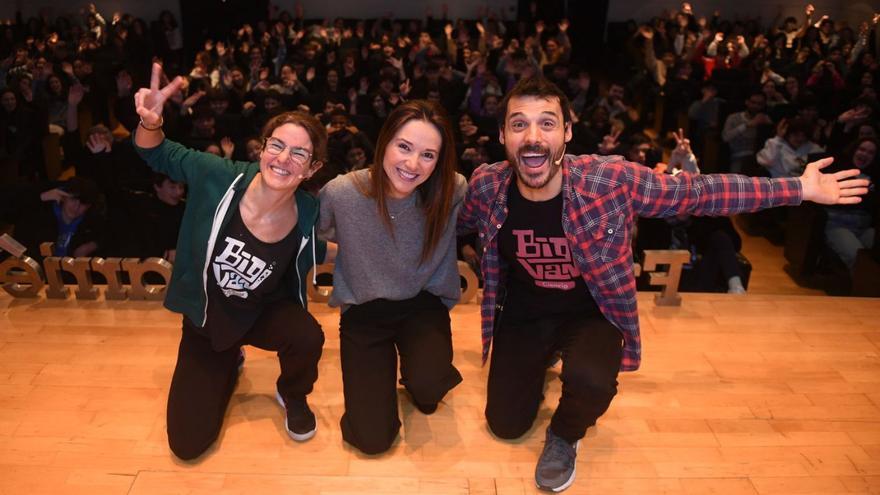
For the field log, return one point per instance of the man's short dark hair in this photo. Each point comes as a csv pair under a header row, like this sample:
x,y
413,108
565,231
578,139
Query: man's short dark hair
x,y
159,179
539,87
83,189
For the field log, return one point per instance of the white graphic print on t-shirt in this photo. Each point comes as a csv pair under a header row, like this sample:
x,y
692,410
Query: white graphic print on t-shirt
x,y
237,271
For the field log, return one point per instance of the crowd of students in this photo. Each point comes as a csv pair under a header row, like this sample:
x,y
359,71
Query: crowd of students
x,y
297,143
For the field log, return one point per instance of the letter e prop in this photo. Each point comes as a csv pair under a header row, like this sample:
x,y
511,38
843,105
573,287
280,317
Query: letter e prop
x,y
21,277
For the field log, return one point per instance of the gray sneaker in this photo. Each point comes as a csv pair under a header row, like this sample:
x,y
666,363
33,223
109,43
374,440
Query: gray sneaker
x,y
556,467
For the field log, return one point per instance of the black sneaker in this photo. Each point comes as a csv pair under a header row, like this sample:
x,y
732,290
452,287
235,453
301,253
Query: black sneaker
x,y
299,420
556,467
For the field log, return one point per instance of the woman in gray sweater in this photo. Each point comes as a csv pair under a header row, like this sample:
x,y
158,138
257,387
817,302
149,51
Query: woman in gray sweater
x,y
396,275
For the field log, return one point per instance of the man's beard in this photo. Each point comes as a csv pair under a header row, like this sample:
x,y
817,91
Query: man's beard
x,y
530,180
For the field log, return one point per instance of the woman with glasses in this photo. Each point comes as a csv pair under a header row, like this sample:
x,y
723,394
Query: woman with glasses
x,y
396,276
246,243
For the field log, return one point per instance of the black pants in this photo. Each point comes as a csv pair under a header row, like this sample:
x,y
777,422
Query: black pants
x,y
371,337
591,352
204,379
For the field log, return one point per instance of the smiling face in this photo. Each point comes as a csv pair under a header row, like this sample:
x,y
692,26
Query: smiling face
x,y
411,156
534,136
284,171
865,154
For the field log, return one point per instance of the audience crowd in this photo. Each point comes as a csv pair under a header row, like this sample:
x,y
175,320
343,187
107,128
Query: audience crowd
x,y
685,90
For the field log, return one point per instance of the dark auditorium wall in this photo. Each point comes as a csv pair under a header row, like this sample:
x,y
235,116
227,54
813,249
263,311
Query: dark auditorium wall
x,y
619,10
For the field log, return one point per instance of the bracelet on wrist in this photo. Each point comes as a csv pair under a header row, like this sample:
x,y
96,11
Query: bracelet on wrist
x,y
158,126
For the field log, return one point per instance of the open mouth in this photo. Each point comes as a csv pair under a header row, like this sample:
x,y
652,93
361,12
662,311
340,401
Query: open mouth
x,y
407,176
533,160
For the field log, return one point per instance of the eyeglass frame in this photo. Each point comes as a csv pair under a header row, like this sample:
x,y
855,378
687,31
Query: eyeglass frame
x,y
290,150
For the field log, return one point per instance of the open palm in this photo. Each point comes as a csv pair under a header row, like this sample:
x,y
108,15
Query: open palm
x,y
829,189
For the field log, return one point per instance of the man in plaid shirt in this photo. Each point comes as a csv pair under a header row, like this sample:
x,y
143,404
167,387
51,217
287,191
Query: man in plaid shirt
x,y
555,232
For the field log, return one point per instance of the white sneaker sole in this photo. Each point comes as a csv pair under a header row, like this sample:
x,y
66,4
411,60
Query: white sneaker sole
x,y
299,437
569,481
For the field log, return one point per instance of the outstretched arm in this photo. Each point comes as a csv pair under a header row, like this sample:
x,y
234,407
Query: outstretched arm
x,y
662,195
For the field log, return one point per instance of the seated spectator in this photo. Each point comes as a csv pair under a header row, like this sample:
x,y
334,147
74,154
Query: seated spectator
x,y
357,158
850,228
66,216
741,132
786,154
157,215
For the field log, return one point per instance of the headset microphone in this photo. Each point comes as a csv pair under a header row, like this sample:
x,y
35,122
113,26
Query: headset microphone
x,y
561,156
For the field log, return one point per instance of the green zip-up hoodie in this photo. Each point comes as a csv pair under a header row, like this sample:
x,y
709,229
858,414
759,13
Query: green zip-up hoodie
x,y
215,187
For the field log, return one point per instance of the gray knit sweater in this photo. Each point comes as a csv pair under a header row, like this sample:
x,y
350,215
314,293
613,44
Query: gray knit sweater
x,y
373,264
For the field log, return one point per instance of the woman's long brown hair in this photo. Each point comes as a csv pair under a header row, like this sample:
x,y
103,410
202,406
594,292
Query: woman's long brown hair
x,y
436,193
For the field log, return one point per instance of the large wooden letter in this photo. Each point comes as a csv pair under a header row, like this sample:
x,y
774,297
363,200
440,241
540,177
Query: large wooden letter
x,y
52,266
471,282
81,270
111,269
136,270
21,277
669,279
319,293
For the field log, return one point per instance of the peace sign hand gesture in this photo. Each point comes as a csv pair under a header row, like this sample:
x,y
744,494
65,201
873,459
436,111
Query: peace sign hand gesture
x,y
682,144
148,102
609,143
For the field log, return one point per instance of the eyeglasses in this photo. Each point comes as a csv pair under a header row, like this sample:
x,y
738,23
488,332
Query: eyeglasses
x,y
300,156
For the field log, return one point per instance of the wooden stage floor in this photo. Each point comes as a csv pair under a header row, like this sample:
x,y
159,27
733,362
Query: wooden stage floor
x,y
751,394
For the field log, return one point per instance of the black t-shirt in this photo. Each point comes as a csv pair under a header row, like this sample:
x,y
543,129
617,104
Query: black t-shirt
x,y
245,274
542,277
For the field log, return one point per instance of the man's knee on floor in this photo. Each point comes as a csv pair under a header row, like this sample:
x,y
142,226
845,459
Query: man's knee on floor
x,y
187,450
506,426
371,442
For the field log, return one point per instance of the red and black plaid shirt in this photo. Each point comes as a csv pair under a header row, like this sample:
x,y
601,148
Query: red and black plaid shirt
x,y
601,198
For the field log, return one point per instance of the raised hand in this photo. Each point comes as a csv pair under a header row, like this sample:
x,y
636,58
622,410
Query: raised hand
x,y
563,25
829,189
682,144
96,143
148,102
227,146
397,63
809,9
75,94
193,99
782,128
610,142
54,195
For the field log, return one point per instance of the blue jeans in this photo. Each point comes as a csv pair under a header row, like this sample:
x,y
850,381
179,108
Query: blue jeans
x,y
848,231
